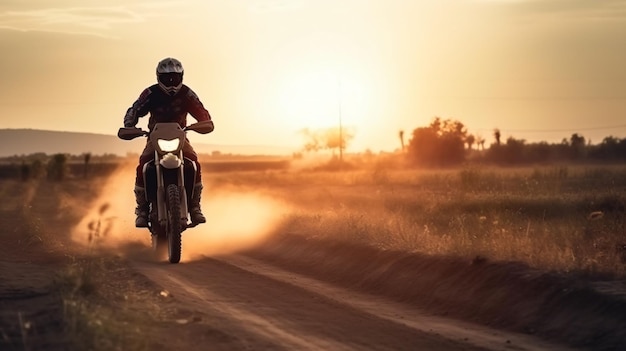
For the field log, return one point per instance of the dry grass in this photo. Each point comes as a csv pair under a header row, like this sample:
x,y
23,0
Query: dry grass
x,y
95,319
33,227
567,218
564,218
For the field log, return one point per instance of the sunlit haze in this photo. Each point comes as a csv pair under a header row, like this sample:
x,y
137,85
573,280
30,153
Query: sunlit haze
x,y
239,219
535,69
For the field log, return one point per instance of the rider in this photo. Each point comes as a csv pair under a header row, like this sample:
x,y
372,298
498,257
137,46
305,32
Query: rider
x,y
168,101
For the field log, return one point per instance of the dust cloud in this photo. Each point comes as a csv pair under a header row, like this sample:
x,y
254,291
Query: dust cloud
x,y
235,220
309,161
109,221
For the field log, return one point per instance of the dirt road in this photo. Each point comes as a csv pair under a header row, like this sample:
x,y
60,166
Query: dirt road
x,y
261,307
285,293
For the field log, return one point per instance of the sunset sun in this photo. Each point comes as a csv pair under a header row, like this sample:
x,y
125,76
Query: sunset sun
x,y
311,99
267,68
438,175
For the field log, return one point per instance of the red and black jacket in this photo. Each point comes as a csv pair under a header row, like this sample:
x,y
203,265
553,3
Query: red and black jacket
x,y
165,108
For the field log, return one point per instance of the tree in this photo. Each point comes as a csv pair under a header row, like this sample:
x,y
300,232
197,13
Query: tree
x,y
512,152
312,142
25,171
470,140
577,145
611,148
442,143
497,135
57,167
480,142
423,145
86,159
540,152
329,138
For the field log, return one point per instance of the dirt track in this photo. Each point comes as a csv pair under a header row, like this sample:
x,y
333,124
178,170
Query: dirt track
x,y
236,303
291,293
247,302
266,308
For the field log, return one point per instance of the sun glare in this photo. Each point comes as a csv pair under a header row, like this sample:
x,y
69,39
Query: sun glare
x,y
318,99
311,100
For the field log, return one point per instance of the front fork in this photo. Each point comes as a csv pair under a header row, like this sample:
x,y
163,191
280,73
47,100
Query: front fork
x,y
161,187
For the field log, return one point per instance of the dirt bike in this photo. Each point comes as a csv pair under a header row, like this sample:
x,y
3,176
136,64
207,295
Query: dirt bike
x,y
169,182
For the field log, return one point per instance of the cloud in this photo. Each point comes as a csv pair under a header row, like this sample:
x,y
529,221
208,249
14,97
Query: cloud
x,y
596,10
80,20
265,6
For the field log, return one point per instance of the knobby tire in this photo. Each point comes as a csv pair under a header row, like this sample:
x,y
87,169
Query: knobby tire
x,y
174,223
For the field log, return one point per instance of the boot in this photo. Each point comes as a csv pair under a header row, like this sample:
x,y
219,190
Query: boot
x,y
142,208
194,205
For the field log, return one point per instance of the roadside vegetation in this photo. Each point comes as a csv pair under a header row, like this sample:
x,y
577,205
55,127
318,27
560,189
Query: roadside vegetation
x,y
443,192
565,218
79,303
562,217
97,316
559,216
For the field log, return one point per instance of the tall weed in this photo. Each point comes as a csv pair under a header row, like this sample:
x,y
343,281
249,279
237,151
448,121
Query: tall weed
x,y
539,215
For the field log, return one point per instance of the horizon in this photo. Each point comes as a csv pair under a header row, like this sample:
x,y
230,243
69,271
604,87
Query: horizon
x,y
77,143
538,70
115,135
135,146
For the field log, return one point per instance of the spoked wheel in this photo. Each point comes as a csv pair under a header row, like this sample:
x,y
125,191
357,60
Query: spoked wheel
x,y
174,226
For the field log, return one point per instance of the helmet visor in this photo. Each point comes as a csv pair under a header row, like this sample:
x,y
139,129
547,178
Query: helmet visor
x,y
171,79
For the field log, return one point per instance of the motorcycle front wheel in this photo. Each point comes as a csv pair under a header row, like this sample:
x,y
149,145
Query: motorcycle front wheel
x,y
174,227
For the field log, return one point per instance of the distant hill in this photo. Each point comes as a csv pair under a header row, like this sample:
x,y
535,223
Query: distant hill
x,y
30,141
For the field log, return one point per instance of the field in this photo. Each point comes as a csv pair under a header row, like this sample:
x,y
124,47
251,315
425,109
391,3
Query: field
x,y
567,219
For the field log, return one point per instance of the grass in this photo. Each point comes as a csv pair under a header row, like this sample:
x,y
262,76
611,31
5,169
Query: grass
x,y
564,218
99,308
85,315
540,215
98,321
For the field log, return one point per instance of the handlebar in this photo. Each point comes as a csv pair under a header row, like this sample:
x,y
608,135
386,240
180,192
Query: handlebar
x,y
129,133
204,127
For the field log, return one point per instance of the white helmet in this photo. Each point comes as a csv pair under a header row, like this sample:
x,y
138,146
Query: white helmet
x,y
170,75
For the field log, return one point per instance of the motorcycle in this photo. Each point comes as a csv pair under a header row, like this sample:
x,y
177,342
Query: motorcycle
x,y
169,181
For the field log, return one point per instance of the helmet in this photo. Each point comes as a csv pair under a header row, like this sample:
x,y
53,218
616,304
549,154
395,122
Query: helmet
x,y
170,75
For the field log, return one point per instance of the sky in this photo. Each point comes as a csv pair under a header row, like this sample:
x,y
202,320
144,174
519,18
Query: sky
x,y
538,70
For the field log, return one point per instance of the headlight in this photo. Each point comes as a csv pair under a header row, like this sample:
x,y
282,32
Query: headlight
x,y
168,145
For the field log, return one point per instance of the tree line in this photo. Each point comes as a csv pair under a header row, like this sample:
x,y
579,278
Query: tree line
x,y
56,167
446,142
